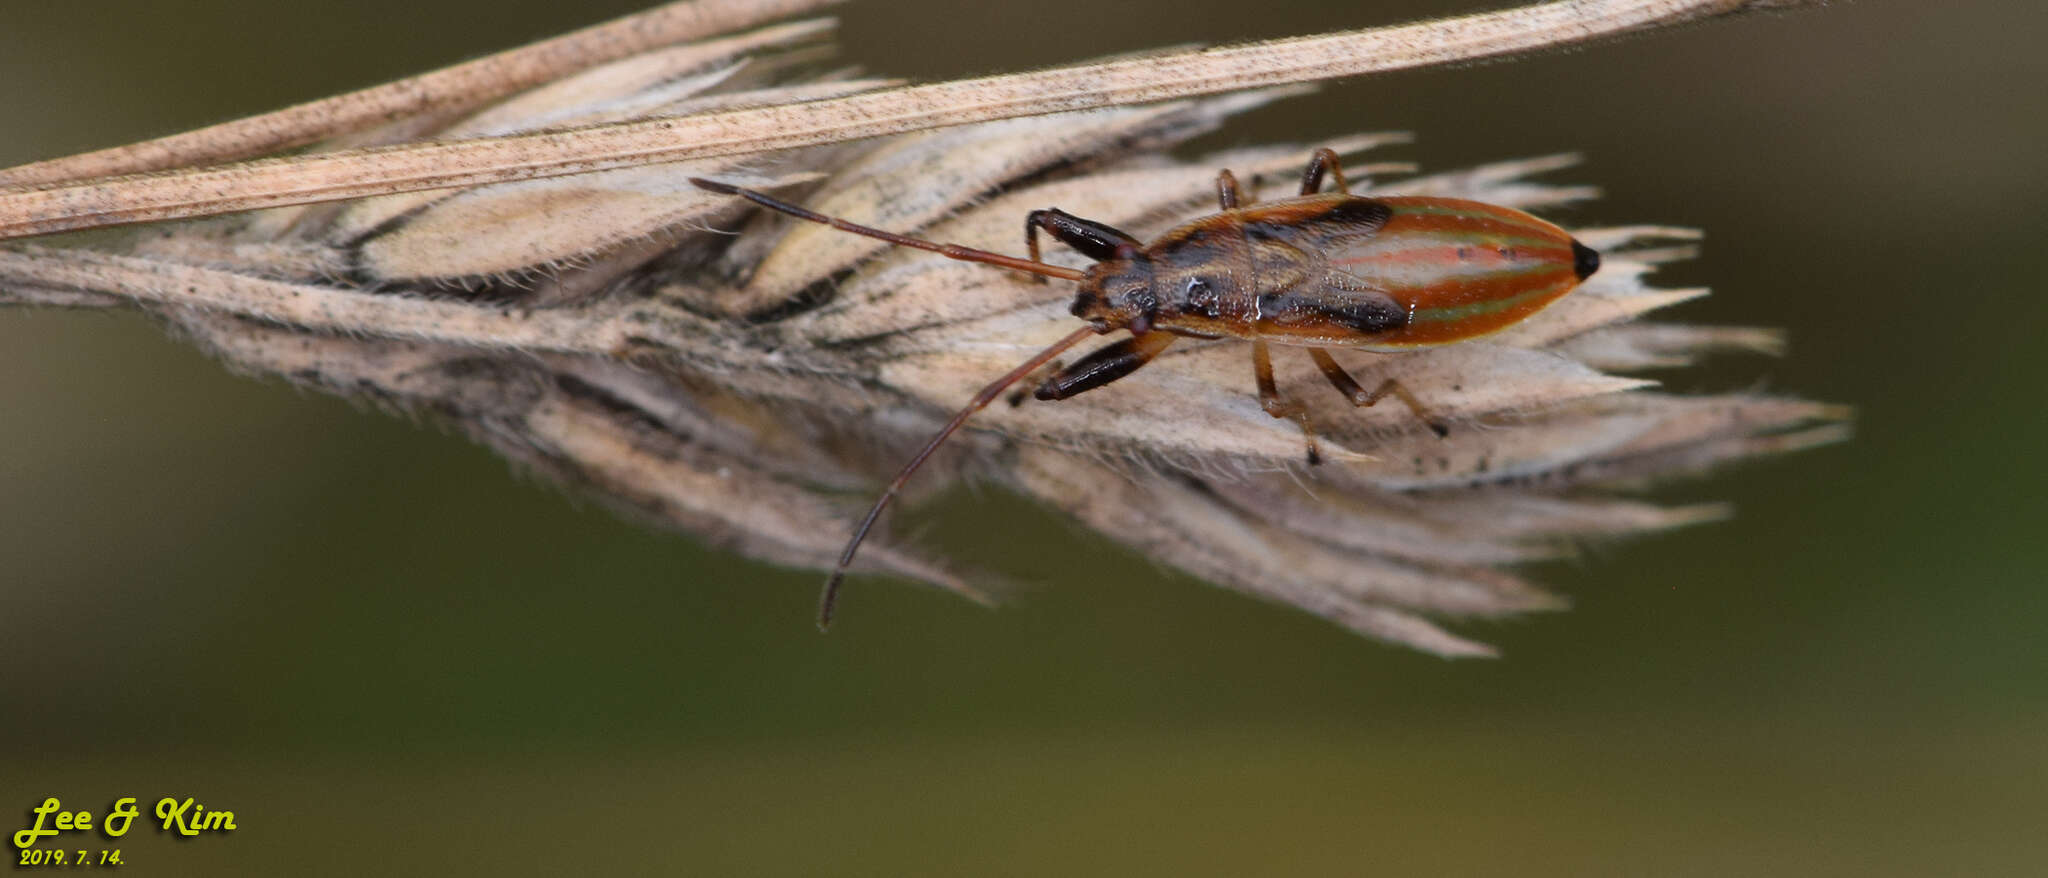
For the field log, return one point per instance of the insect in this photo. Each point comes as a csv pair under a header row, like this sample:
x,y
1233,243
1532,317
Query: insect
x,y
1320,270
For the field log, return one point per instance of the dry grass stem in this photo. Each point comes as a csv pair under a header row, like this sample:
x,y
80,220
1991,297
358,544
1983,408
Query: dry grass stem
x,y
414,167
451,89
748,379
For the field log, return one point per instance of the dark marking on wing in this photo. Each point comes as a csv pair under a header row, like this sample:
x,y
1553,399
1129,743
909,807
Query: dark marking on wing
x,y
1363,215
1372,315
1366,313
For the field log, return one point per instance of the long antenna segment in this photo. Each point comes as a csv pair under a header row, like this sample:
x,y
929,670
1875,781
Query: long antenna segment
x,y
830,596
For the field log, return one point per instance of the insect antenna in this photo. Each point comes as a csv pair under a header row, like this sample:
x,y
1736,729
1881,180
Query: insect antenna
x,y
980,401
952,251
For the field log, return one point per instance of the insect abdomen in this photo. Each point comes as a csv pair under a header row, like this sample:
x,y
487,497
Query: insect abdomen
x,y
1460,269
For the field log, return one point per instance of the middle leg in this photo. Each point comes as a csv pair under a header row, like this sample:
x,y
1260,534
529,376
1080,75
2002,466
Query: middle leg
x,y
1227,195
1275,405
1325,161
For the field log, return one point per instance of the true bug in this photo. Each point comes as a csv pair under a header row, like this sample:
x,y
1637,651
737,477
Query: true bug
x,y
1319,270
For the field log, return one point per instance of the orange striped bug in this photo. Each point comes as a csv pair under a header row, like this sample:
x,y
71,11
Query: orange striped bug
x,y
1320,270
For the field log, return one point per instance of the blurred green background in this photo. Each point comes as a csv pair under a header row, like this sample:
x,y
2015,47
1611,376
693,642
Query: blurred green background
x,y
385,653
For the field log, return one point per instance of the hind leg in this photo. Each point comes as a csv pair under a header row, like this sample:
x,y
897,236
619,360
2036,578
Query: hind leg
x,y
1358,395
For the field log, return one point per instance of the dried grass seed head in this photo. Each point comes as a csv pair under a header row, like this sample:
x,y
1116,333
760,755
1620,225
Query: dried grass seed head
x,y
611,331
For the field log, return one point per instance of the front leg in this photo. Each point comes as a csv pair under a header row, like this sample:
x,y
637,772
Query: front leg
x,y
1095,240
1105,365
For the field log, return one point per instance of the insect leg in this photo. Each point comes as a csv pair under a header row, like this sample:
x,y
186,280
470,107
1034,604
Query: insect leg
x,y
1095,240
1325,161
1270,400
1108,364
1017,396
1226,190
1359,397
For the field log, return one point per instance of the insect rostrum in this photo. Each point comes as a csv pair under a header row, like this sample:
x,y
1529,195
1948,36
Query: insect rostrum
x,y
1320,270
